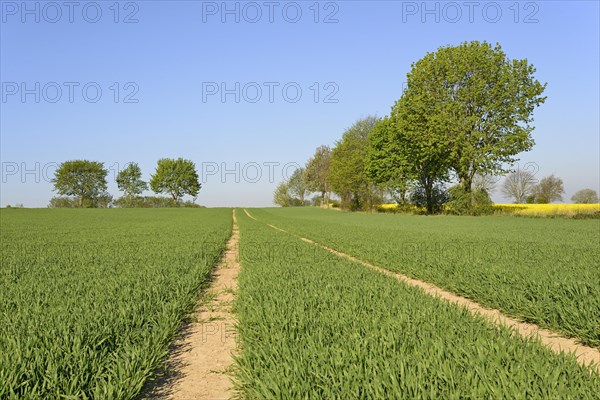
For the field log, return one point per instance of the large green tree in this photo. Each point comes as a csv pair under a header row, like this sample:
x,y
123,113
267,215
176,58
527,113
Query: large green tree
x,y
476,103
347,175
175,177
316,173
389,161
129,180
424,157
83,179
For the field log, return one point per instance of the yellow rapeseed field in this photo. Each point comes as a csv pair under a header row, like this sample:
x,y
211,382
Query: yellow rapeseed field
x,y
549,209
538,210
395,208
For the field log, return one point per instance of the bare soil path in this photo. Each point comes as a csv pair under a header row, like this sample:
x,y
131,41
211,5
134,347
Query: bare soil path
x,y
588,356
202,359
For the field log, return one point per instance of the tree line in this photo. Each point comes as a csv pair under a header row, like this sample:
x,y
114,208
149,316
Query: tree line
x,y
83,184
465,114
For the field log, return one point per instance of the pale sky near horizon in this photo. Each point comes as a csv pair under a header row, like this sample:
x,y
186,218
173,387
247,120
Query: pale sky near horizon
x,y
248,90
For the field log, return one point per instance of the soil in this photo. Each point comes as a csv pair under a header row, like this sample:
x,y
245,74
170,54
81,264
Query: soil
x,y
201,361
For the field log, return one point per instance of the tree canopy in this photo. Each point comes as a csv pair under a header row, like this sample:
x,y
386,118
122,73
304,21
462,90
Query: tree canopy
x,y
316,173
519,185
548,190
585,196
281,196
296,185
129,180
477,104
389,160
347,176
175,177
466,113
291,192
81,178
424,155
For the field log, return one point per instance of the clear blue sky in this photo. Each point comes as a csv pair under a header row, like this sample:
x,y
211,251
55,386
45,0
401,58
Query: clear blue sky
x,y
177,48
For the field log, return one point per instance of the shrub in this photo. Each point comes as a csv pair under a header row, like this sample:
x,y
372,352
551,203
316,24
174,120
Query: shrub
x,y
63,202
152,202
104,200
475,202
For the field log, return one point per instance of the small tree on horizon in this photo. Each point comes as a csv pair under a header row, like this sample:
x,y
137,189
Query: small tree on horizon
x,y
83,179
175,177
291,192
316,173
296,185
585,196
519,185
548,190
129,181
281,196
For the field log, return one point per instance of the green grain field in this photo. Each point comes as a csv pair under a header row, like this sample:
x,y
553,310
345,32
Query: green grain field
x,y
544,271
314,325
92,299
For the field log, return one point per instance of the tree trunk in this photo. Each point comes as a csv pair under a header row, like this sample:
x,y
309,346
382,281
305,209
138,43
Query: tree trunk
x,y
355,202
429,195
466,182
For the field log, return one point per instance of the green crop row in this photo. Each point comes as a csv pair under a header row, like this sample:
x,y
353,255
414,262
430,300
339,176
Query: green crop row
x,y
543,271
91,299
313,325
